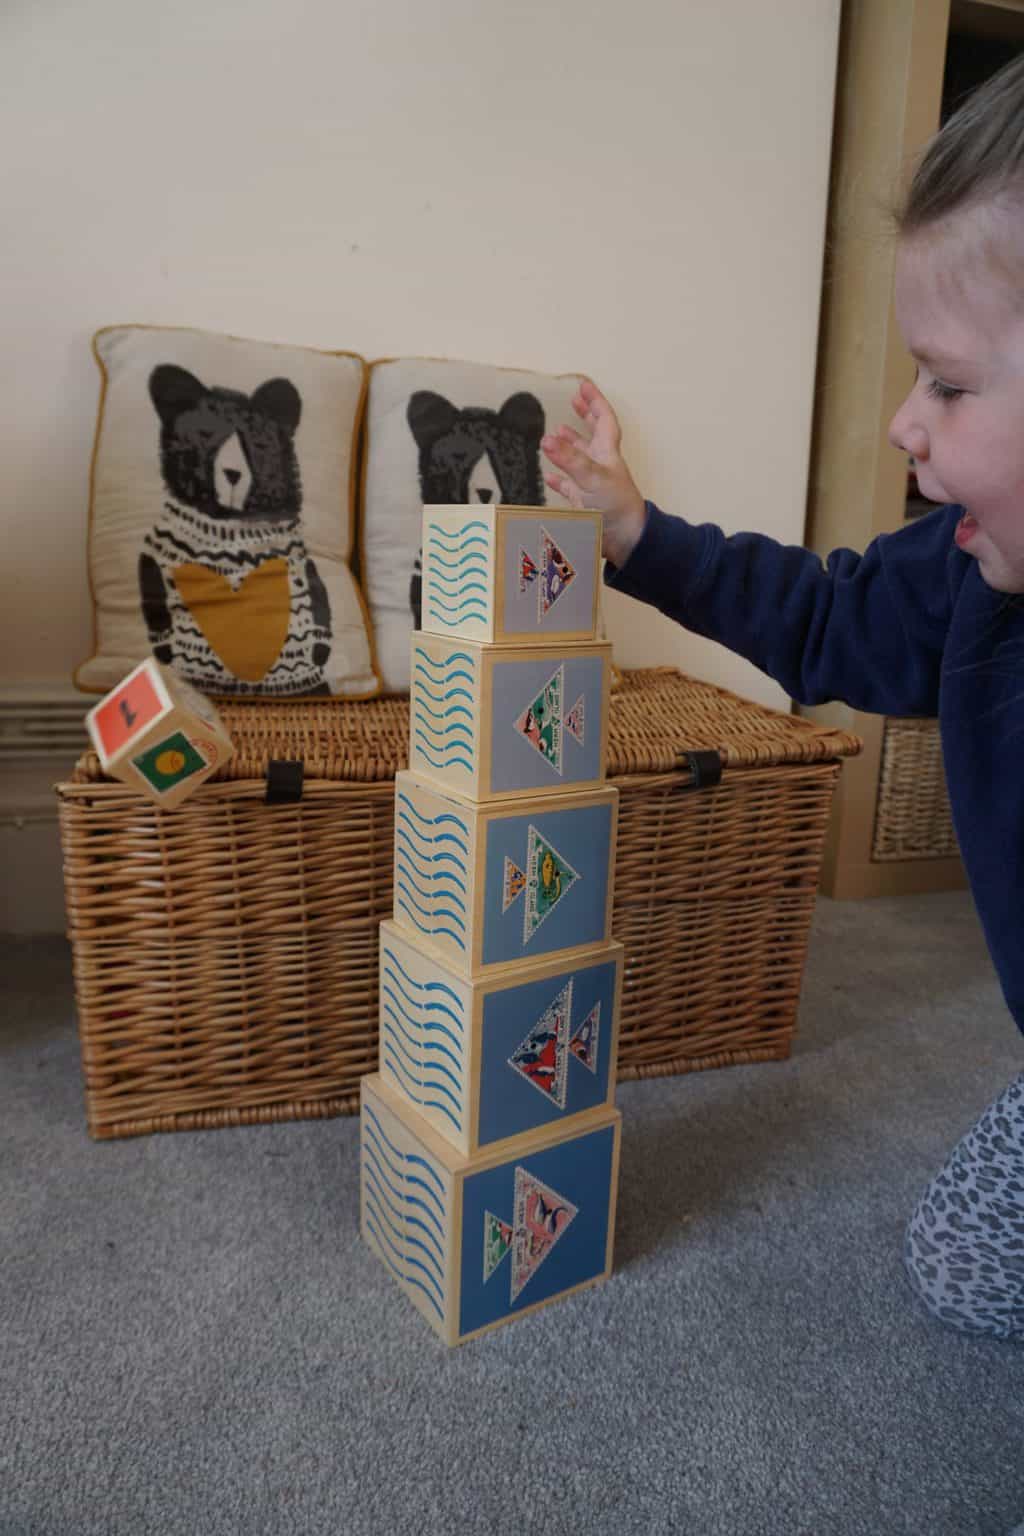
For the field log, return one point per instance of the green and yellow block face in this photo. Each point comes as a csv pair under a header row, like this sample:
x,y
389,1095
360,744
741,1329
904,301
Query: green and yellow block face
x,y
170,762
158,735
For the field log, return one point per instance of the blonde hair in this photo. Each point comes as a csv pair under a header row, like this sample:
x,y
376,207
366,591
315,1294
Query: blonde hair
x,y
976,157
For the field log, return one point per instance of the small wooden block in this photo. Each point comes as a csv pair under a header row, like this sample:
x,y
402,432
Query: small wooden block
x,y
158,735
494,723
511,575
485,1060
497,884
476,1242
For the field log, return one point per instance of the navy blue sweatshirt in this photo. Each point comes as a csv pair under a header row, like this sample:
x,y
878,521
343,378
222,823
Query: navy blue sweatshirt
x,y
907,628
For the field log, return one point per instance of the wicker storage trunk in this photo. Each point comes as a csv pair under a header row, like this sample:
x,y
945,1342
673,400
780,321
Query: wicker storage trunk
x,y
225,954
913,819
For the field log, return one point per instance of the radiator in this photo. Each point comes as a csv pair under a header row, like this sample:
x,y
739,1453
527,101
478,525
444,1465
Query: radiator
x,y
42,734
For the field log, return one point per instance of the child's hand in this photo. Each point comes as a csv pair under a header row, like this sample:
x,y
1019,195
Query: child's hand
x,y
594,474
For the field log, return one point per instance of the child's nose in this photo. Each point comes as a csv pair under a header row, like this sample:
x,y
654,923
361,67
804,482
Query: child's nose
x,y
908,434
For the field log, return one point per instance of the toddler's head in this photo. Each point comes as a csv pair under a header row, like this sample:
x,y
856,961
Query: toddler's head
x,y
960,307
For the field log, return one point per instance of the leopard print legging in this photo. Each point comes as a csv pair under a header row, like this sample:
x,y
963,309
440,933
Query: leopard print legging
x,y
965,1241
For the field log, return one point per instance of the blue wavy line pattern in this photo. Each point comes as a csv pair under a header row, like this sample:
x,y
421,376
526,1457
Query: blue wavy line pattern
x,y
406,843
444,818
450,760
406,1211
477,526
413,1022
394,1058
452,693
441,714
417,839
442,666
457,613
439,1005
453,624
442,875
446,716
456,584
429,851
453,587
419,1044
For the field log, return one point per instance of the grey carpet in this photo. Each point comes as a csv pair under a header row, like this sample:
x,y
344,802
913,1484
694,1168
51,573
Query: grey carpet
x,y
193,1339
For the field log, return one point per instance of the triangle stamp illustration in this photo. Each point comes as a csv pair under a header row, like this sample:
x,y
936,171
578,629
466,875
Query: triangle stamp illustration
x,y
527,569
543,1056
550,570
583,1043
548,877
541,1217
574,721
497,1242
541,721
540,1220
513,884
555,574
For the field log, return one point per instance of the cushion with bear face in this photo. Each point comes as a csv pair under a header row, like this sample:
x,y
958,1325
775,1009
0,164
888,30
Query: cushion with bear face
x,y
443,432
221,520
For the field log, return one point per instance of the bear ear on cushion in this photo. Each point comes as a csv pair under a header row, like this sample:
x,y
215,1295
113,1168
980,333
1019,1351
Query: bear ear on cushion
x,y
222,516
173,390
442,433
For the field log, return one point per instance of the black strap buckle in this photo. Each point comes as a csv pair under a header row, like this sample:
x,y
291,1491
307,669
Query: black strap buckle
x,y
706,767
284,781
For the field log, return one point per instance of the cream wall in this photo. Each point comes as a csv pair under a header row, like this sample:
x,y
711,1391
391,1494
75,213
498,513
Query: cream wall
x,y
637,191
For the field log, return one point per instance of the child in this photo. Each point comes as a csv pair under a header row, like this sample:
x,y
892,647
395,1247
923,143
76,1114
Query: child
x,y
926,622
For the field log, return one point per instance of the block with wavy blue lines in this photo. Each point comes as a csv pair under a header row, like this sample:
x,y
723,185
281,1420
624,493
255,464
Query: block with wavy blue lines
x,y
476,1242
500,883
491,722
487,1059
511,575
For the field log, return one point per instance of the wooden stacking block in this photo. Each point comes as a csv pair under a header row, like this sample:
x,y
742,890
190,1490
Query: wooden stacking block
x,y
511,575
494,723
501,883
484,1060
476,1243
157,734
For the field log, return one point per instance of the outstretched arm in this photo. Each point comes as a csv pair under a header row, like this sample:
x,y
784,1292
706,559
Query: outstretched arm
x,y
868,629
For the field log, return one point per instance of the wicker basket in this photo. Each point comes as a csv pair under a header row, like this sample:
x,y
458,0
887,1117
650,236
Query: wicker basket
x,y
225,954
912,815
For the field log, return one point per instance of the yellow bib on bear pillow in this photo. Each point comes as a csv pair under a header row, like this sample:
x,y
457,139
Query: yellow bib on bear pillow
x,y
246,625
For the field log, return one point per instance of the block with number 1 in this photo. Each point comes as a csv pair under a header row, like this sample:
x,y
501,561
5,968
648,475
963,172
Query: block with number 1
x,y
158,735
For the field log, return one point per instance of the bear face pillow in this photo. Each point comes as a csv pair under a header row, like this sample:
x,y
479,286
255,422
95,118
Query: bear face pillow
x,y
221,520
443,432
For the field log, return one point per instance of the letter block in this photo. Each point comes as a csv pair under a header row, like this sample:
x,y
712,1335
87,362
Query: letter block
x,y
502,1055
494,723
495,884
158,735
511,575
476,1243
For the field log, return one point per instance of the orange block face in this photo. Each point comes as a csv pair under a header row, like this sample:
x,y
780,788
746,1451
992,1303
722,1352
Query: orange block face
x,y
127,711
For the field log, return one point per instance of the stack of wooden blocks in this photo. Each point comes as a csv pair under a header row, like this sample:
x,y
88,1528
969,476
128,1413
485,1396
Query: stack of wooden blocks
x,y
490,1143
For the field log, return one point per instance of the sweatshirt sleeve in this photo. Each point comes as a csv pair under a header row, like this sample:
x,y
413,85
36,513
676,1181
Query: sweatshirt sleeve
x,y
865,629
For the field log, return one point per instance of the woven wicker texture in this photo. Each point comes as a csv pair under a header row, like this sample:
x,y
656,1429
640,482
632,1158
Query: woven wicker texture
x,y
656,714
913,819
225,954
